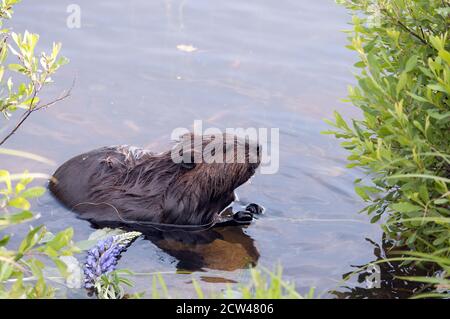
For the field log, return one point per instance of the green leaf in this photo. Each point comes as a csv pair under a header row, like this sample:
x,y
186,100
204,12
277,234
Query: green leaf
x,y
61,239
17,68
441,201
6,178
19,202
30,240
437,87
375,218
401,82
411,239
61,265
6,270
20,217
423,192
442,239
33,192
417,98
340,122
405,207
4,240
362,193
411,64
445,55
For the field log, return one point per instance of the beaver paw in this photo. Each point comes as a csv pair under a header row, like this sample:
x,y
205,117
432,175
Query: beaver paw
x,y
243,217
254,209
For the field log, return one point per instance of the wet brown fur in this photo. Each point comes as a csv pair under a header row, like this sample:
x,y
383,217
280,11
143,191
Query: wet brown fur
x,y
123,183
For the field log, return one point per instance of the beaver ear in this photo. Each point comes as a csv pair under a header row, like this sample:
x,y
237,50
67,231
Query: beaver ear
x,y
187,166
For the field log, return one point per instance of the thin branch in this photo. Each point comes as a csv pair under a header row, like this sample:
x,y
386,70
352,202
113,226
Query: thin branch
x,y
412,32
24,117
402,25
63,96
32,109
13,263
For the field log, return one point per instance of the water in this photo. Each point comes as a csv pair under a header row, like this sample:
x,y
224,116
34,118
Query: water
x,y
257,64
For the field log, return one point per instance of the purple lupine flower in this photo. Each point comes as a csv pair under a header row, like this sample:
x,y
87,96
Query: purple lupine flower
x,y
103,257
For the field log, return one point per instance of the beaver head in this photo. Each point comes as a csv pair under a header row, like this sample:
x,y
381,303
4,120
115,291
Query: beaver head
x,y
207,170
217,164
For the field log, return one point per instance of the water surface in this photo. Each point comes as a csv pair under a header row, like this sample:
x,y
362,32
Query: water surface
x,y
257,64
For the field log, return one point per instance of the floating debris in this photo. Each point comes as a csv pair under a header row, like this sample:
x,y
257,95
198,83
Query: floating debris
x,y
186,48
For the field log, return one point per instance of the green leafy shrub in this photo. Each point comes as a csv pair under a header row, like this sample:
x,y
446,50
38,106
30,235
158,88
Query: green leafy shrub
x,y
403,140
24,271
37,70
263,284
267,284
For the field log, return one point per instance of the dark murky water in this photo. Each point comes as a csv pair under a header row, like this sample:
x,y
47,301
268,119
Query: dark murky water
x,y
258,64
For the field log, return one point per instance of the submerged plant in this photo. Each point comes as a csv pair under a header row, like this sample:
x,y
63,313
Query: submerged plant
x,y
263,284
102,258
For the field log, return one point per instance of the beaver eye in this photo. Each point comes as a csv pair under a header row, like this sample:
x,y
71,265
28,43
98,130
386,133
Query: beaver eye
x,y
187,166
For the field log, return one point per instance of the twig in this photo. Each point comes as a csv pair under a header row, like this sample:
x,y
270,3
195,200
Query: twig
x,y
401,24
32,109
24,117
63,96
13,263
412,32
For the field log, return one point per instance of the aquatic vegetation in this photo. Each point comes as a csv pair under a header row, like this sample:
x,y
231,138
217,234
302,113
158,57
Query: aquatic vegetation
x,y
103,257
263,284
266,284
403,141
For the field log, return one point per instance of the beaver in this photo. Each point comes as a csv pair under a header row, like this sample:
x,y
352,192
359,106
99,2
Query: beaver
x,y
133,185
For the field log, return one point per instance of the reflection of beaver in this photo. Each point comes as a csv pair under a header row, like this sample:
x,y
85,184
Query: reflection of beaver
x,y
133,185
219,248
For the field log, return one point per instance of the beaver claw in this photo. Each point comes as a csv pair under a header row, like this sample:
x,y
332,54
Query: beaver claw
x,y
255,209
246,217
243,217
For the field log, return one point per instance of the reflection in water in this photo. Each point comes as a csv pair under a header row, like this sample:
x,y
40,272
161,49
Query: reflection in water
x,y
224,248
219,248
390,286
